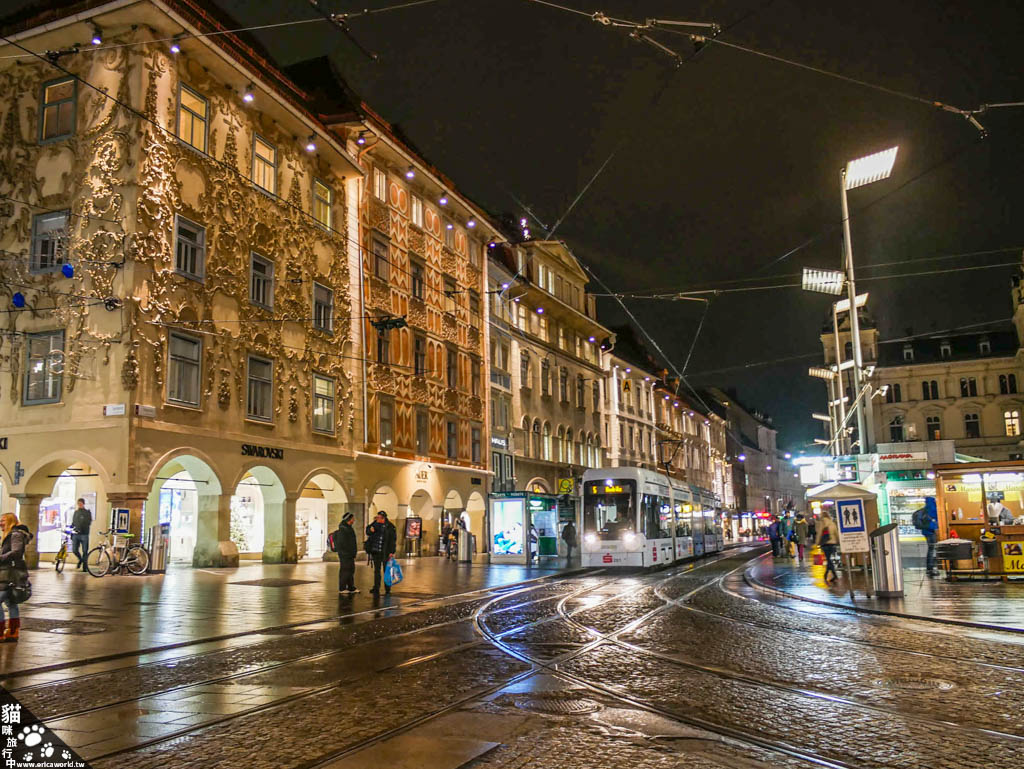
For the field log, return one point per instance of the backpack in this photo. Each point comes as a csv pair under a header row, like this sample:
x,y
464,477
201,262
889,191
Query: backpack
x,y
330,543
920,519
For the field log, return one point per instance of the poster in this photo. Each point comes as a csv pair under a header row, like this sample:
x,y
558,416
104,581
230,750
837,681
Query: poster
x,y
1013,555
413,528
853,527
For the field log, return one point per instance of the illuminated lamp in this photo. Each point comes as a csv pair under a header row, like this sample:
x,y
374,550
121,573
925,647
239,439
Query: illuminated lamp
x,y
97,35
410,173
248,94
311,143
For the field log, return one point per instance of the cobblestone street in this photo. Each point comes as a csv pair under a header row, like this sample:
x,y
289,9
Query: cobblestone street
x,y
686,667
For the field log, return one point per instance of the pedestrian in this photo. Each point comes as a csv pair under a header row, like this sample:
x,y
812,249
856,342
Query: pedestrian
x,y
81,522
13,573
800,531
345,547
926,520
812,529
381,541
534,539
774,537
446,534
828,540
569,537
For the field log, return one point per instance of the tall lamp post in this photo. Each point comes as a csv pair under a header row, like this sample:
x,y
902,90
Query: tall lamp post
x,y
858,173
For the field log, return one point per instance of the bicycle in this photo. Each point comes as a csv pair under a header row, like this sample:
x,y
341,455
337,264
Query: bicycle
x,y
113,559
62,555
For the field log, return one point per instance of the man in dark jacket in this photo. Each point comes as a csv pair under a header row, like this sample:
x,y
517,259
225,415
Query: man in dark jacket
x,y
926,519
81,522
381,542
345,547
569,537
775,536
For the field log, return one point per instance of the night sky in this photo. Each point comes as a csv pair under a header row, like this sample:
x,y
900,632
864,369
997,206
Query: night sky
x,y
736,164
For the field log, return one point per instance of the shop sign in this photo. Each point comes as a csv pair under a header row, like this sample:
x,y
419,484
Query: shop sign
x,y
264,452
499,442
566,485
422,476
902,460
853,527
1013,555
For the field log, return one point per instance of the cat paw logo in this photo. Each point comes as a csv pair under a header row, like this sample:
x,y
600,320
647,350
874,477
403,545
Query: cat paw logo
x,y
26,743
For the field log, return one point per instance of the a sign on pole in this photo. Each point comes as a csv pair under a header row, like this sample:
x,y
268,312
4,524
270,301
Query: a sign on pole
x,y
566,485
853,527
121,520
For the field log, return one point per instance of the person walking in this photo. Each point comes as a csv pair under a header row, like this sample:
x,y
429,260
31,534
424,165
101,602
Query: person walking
x,y
569,537
446,538
81,522
16,537
828,540
381,541
800,531
774,537
926,520
345,547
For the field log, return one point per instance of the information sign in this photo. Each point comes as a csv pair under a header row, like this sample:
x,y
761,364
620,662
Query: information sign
x,y
120,520
853,527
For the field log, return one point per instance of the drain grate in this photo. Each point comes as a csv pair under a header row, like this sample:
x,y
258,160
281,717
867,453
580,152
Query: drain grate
x,y
559,706
916,683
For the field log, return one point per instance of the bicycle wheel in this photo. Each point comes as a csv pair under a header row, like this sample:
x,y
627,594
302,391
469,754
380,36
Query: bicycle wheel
x,y
97,562
60,559
136,560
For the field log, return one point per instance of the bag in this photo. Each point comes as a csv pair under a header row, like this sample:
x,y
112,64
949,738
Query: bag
x,y
819,559
330,543
825,536
793,537
19,588
392,573
920,519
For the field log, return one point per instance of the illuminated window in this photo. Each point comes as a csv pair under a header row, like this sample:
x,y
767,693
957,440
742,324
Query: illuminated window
x,y
323,404
380,184
416,209
323,199
934,427
193,117
264,165
58,110
1011,420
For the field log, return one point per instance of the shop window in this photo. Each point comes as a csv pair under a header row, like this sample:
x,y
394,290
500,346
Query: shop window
x,y
323,404
184,367
896,430
264,165
1011,420
934,427
44,356
193,117
261,281
189,248
972,426
386,411
323,308
260,390
323,200
49,241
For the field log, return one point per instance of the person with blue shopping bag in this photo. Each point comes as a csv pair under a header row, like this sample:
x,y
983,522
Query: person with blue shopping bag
x,y
381,543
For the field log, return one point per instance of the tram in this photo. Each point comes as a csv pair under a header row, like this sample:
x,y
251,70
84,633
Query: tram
x,y
637,517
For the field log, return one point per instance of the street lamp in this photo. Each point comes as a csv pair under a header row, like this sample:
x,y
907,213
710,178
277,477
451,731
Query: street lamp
x,y
858,173
829,375
823,281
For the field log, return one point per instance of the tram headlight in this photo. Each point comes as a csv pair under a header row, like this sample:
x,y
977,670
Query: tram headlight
x,y
590,538
628,538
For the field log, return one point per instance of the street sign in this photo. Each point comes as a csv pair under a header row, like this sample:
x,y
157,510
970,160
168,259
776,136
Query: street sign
x,y
853,527
121,520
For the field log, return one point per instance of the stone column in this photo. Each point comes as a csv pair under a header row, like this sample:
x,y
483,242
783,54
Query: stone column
x,y
214,547
279,531
28,514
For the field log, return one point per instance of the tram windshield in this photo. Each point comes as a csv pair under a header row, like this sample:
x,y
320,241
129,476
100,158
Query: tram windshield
x,y
608,508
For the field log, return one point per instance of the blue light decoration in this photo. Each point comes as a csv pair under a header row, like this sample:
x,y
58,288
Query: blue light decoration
x,y
67,271
18,299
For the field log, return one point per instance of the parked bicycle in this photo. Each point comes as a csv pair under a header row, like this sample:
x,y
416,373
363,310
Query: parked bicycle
x,y
62,555
107,558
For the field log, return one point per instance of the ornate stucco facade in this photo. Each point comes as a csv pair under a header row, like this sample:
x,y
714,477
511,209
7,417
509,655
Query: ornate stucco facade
x,y
186,279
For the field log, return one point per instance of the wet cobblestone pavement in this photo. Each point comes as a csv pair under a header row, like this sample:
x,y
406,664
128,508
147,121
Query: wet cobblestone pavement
x,y
682,668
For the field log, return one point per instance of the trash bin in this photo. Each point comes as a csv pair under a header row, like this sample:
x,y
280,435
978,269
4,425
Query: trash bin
x,y
467,546
886,562
159,544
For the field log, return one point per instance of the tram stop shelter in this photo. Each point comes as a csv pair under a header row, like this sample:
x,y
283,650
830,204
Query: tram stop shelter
x,y
838,492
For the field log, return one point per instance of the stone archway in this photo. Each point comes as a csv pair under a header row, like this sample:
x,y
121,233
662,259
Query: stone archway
x,y
51,491
421,505
319,507
186,492
263,517
476,509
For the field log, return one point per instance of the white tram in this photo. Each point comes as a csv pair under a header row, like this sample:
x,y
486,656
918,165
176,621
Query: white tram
x,y
634,517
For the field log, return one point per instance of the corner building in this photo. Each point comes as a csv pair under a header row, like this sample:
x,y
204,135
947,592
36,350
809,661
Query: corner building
x,y
185,274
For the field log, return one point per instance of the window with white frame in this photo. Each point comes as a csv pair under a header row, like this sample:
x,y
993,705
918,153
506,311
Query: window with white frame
x,y
261,281
264,165
984,346
380,184
1011,421
193,117
49,241
416,210
323,199
260,390
189,248
184,369
449,234
44,357
323,404
323,308
57,111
